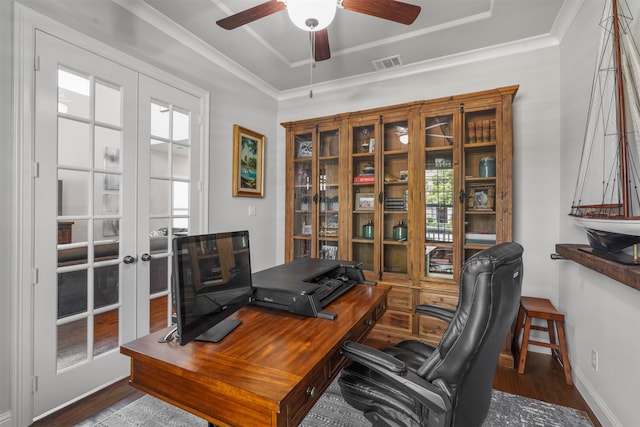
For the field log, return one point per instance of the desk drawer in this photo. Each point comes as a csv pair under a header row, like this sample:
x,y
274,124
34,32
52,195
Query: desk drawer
x,y
305,395
357,334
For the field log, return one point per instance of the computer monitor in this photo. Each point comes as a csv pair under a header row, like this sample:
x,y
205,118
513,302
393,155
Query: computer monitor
x,y
211,280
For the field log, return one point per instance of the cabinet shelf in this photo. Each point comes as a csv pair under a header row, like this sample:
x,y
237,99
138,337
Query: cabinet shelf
x,y
395,153
443,148
361,239
480,179
363,155
479,145
391,242
478,246
480,212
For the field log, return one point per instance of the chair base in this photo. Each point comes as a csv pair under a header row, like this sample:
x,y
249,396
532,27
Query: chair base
x,y
540,308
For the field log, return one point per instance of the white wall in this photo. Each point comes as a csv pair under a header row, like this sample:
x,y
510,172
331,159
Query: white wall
x,y
601,313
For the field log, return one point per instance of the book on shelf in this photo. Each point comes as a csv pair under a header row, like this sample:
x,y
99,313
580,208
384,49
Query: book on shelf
x,y
480,238
439,262
395,204
364,178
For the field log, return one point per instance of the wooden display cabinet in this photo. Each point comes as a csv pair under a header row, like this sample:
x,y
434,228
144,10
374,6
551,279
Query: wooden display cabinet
x,y
420,186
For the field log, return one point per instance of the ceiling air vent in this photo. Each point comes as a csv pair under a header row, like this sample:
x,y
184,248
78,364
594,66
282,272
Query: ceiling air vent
x,y
386,63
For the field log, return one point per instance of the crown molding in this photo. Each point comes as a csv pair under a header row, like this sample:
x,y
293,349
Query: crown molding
x,y
565,18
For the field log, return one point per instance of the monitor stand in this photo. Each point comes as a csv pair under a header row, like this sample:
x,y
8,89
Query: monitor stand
x,y
219,331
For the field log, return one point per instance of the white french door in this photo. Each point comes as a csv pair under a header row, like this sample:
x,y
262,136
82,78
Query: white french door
x,y
169,189
118,175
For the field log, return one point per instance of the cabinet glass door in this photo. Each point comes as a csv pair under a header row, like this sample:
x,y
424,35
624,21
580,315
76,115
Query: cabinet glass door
x,y
394,179
364,196
328,179
303,195
480,165
439,196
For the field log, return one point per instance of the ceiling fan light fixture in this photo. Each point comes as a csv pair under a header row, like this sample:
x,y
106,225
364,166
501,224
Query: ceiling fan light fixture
x,y
311,15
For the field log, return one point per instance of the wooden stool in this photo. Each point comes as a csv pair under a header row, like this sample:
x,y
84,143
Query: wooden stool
x,y
541,308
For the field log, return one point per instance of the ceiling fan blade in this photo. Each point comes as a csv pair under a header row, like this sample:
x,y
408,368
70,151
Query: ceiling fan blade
x,y
392,10
251,14
320,42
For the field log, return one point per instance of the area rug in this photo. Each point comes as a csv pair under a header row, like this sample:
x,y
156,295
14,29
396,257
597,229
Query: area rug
x,y
332,411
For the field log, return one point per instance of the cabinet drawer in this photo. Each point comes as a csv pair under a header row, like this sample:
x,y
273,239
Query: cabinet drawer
x,y
400,299
431,329
441,300
397,320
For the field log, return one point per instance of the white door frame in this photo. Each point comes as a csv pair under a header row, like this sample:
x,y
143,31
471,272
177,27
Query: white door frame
x,y
26,22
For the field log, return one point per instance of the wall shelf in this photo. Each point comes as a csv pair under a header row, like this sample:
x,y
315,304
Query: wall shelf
x,y
626,274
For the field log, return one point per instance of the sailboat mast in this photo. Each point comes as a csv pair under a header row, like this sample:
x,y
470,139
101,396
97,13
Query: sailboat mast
x,y
622,126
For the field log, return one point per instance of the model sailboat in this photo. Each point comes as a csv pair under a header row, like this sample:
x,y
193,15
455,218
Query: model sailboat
x,y
606,201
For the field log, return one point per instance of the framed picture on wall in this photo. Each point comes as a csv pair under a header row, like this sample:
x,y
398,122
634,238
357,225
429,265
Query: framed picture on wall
x,y
248,162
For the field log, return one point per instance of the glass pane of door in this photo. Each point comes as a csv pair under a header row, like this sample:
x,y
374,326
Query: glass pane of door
x,y
169,165
396,197
480,182
328,191
363,221
439,196
89,198
303,195
170,169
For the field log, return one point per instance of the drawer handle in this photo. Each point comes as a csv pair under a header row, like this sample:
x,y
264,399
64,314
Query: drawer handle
x,y
369,322
311,391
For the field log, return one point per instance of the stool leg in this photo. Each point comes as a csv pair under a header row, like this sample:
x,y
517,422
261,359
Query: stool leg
x,y
525,345
516,336
552,339
565,355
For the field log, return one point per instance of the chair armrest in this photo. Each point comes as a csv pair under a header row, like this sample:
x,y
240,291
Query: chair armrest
x,y
435,311
372,357
395,370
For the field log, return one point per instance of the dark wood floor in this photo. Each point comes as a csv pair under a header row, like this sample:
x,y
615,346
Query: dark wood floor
x,y
543,380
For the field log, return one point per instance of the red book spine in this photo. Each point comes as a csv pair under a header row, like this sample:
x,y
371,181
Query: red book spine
x,y
357,179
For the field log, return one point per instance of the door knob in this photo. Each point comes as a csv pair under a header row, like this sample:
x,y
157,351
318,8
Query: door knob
x,y
145,257
129,259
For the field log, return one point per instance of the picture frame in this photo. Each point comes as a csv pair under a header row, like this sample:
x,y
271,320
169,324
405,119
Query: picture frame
x,y
482,197
248,163
304,149
365,201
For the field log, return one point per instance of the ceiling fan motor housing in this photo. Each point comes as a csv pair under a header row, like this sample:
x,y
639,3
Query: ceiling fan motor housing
x,y
311,15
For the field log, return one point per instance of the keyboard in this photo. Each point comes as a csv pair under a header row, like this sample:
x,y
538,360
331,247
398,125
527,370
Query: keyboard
x,y
330,289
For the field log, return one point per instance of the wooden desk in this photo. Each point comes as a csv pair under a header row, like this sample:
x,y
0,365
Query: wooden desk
x,y
268,372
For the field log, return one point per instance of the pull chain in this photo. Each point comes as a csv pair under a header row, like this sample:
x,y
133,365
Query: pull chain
x,y
313,63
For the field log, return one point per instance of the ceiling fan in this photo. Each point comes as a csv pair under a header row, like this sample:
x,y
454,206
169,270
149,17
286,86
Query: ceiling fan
x,y
315,15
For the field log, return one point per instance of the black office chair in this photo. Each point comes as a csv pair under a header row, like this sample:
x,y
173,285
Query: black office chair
x,y
415,384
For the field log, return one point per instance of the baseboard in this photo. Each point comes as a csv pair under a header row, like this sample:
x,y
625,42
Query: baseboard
x,y
5,419
593,399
